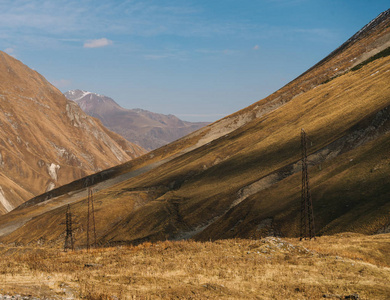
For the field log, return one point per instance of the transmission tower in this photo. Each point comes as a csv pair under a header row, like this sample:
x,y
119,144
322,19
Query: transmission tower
x,y
307,216
91,214
69,241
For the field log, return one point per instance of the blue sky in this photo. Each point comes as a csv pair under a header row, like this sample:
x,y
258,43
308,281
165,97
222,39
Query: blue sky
x,y
197,59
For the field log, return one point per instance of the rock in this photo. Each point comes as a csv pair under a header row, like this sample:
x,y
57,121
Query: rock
x,y
332,296
352,296
92,265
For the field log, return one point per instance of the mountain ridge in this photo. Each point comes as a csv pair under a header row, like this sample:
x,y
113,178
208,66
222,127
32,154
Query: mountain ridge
x,y
147,129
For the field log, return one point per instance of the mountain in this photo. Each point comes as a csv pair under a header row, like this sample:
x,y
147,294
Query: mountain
x,y
46,140
147,129
241,176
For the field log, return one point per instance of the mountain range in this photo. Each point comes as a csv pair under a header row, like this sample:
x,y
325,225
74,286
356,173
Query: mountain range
x,y
241,176
144,128
46,140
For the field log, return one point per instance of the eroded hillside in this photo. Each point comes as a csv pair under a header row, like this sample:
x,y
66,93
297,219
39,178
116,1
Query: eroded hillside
x,y
46,140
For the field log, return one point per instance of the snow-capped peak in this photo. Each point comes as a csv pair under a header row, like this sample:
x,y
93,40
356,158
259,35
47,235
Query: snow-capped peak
x,y
77,95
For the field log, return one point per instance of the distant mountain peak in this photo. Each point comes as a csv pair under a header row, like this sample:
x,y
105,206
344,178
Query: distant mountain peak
x,y
91,103
76,94
148,129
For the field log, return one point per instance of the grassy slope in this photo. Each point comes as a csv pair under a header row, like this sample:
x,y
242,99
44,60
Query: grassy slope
x,y
208,194
271,268
350,193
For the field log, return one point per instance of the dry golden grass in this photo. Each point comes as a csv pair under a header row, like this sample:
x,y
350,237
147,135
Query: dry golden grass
x,y
270,268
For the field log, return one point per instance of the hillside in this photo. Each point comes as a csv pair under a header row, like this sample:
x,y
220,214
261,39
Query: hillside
x,y
144,128
240,176
46,140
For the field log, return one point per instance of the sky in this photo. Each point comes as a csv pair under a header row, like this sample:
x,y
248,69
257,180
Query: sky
x,y
197,59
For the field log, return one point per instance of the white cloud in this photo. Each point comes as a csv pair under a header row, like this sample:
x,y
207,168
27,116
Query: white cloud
x,y
97,43
61,83
9,50
229,52
256,47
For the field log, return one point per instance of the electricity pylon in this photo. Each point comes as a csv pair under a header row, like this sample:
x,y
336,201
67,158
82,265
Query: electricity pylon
x,y
69,241
91,214
307,216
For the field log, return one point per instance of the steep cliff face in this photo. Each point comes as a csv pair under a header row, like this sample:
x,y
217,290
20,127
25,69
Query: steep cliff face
x,y
45,139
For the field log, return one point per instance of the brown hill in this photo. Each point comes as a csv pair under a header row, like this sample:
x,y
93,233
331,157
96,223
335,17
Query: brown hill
x,y
147,129
240,176
46,140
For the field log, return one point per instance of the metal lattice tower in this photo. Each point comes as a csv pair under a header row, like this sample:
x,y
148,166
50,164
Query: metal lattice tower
x,y
69,241
307,216
91,214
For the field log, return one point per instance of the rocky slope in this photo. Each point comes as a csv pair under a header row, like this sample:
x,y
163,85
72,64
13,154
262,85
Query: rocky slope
x,y
147,129
240,176
45,139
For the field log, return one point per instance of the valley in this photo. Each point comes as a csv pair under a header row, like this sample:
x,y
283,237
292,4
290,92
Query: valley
x,y
240,176
212,214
